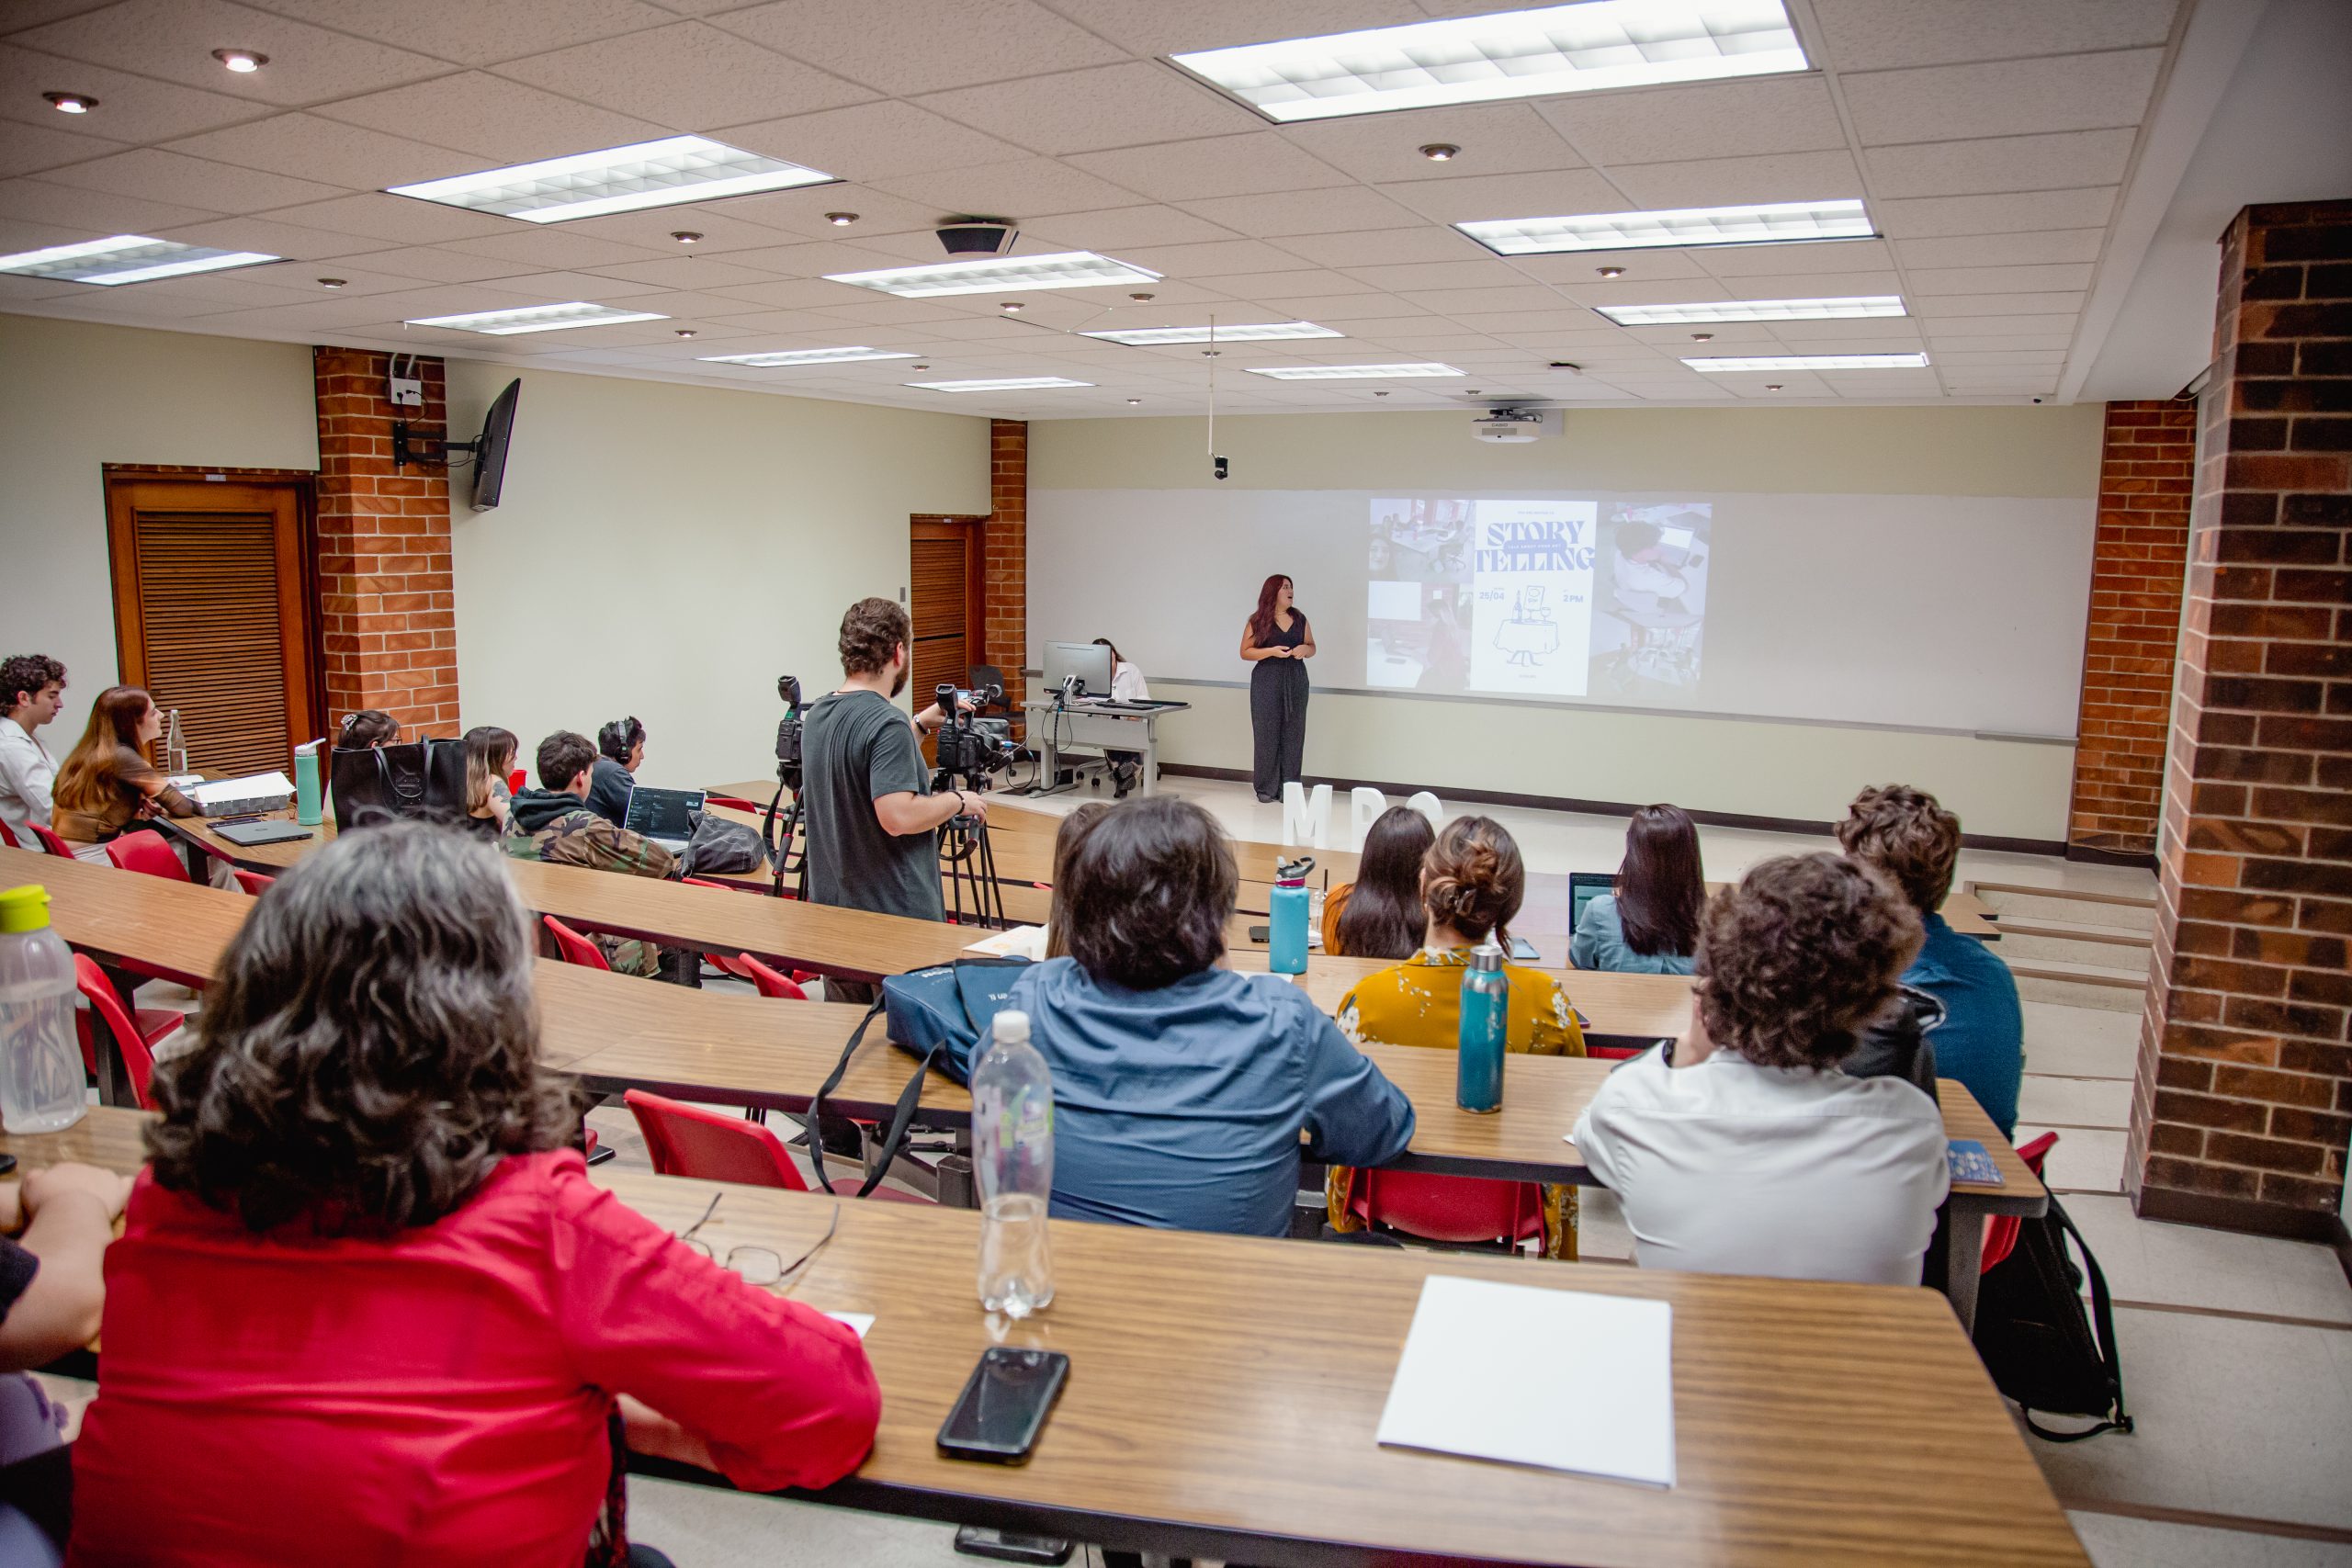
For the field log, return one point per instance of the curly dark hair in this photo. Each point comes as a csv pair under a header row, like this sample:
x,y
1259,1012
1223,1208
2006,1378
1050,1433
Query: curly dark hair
x,y
562,758
371,1049
872,630
1474,880
1148,887
22,676
1803,952
1908,834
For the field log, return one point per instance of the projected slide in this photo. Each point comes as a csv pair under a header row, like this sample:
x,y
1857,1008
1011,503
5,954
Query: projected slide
x,y
1533,597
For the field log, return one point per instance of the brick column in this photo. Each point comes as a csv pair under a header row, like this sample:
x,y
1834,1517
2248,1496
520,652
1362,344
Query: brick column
x,y
2243,1098
1004,547
2137,565
386,602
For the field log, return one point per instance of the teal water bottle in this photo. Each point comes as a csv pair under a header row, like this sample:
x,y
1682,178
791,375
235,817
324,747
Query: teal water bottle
x,y
1287,917
1485,1030
307,807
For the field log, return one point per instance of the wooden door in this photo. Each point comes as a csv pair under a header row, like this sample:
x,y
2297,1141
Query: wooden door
x,y
944,607
212,612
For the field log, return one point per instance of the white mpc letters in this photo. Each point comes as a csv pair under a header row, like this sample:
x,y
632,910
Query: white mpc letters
x,y
1307,818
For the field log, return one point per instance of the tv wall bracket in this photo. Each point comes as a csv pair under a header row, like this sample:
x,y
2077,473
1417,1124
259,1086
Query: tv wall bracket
x,y
431,450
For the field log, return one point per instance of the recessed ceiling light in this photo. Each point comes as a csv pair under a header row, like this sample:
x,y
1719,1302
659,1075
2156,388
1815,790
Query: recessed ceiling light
x,y
1703,337
1143,337
1610,271
684,332
1063,269
840,220
1349,372
1518,54
244,61
1010,306
332,282
1134,401
1772,224
918,366
1379,394
1005,384
125,258
1771,386
1143,299
1440,151
536,319
685,236
1753,311
71,103
618,179
1814,362
808,356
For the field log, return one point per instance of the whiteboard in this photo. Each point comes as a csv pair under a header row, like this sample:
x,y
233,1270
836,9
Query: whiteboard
x,y
1944,613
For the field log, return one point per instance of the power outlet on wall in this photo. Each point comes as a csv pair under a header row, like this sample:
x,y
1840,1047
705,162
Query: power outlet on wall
x,y
405,391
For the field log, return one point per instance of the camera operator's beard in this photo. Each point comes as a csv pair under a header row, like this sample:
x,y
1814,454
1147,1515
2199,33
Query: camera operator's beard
x,y
899,682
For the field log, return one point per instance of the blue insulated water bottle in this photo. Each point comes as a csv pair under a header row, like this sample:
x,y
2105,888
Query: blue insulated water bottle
x,y
1485,1029
307,807
1287,917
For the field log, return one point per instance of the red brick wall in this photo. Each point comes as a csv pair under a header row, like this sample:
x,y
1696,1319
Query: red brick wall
x,y
388,607
2243,1098
1004,544
2137,565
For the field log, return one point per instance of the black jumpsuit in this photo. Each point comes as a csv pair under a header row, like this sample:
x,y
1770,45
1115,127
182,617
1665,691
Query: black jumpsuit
x,y
1278,711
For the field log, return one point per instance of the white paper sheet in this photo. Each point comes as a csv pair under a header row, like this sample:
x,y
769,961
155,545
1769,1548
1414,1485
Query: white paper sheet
x,y
251,786
1566,1379
1021,942
859,1322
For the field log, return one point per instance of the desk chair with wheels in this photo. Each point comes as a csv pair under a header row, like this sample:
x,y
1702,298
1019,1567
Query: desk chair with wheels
x,y
135,1033
686,1140
146,852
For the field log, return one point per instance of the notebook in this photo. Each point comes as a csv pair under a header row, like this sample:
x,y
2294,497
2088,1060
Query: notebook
x,y
1971,1163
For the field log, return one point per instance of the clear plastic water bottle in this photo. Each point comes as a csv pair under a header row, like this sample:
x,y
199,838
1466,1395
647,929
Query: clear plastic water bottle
x,y
1012,1162
1485,1032
40,1062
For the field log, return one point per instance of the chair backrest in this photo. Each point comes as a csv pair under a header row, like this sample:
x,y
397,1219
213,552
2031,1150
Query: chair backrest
x,y
768,981
8,835
2001,1230
108,1006
1459,1208
50,842
252,882
686,1140
575,948
146,852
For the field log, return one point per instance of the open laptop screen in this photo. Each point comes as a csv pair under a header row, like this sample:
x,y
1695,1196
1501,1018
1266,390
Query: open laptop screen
x,y
662,813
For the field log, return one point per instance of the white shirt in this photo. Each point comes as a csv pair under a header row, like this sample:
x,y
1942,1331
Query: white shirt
x,y
1126,684
1727,1167
27,774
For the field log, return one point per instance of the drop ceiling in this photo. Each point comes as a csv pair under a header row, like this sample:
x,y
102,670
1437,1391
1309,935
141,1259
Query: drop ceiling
x,y
1992,140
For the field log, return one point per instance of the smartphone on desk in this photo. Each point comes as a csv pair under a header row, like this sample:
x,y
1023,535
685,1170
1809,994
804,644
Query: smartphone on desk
x,y
1003,1404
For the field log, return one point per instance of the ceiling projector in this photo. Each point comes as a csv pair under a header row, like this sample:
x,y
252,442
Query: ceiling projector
x,y
1507,426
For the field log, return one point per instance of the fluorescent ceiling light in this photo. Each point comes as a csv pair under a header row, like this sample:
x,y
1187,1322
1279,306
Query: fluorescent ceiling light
x,y
1778,223
1144,338
1516,54
1007,384
1063,269
537,319
1352,372
1814,362
125,258
802,356
1753,311
618,179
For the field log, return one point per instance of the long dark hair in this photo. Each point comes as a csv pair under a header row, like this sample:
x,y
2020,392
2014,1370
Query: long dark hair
x,y
370,1051
1261,620
1475,880
1384,917
1660,890
88,775
1117,657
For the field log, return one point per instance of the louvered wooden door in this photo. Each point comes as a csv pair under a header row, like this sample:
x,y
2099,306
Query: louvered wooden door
x,y
211,615
943,609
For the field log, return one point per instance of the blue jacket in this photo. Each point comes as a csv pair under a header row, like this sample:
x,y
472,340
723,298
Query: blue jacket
x,y
1982,1038
1599,944
1182,1108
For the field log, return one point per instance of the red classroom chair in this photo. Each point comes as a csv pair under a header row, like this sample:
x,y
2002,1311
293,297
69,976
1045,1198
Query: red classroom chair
x,y
1460,1210
145,852
50,842
770,984
686,1140
9,836
575,948
252,882
2001,1230
135,1034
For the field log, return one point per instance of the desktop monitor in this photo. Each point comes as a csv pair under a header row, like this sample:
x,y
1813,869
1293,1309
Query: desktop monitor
x,y
1090,661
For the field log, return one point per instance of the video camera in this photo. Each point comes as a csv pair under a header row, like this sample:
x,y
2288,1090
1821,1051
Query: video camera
x,y
971,747
787,732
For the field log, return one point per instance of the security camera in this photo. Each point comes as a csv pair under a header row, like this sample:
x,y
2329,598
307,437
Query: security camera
x,y
2037,400
1222,467
977,236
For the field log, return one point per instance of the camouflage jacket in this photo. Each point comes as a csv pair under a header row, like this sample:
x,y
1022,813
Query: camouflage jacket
x,y
556,828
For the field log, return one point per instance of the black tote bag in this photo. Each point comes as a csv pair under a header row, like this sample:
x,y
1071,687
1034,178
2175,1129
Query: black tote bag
x,y
416,778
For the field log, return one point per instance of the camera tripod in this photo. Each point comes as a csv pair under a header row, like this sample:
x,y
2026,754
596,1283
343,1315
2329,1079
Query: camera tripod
x,y
968,859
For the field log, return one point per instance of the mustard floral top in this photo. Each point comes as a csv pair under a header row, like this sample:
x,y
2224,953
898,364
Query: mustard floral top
x,y
1418,1002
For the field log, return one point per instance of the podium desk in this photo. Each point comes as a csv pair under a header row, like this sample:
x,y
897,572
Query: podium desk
x,y
1097,726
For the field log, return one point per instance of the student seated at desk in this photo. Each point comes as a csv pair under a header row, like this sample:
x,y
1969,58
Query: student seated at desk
x,y
1380,914
620,752
368,729
1181,1088
108,786
32,685
1471,883
553,823
489,757
1650,924
367,1306
1741,1149
1066,841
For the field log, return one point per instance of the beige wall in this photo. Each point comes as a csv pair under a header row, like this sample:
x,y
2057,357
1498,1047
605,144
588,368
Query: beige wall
x,y
668,551
75,397
2008,788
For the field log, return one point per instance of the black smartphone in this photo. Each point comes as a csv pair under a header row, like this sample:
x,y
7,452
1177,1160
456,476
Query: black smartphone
x,y
1003,1404
8,1164
1262,933
979,1540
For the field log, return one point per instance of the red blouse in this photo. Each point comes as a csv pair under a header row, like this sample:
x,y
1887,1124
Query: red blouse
x,y
440,1397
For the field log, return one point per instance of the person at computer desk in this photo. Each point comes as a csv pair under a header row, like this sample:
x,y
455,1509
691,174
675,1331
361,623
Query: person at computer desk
x,y
620,752
1126,686
553,823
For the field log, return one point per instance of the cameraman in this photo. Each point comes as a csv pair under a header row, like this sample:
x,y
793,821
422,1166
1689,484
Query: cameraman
x,y
871,817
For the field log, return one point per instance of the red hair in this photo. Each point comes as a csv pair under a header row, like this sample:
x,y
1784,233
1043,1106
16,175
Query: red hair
x,y
1262,621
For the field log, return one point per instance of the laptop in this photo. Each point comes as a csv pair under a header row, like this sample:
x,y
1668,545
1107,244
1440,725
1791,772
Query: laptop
x,y
251,834
1584,886
664,814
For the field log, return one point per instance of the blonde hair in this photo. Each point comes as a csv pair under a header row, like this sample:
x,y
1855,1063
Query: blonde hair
x,y
490,755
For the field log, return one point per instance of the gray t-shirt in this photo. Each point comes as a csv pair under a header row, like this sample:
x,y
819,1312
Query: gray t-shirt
x,y
856,746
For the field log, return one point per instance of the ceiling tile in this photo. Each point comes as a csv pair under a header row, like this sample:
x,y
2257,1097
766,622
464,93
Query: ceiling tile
x,y
2015,98
1478,302
90,213
1334,209
153,175
1495,139
1972,326
1334,309
1935,216
1868,34
28,149
1122,228
546,248
433,264
793,295
32,13
1559,320
1108,106
2002,250
272,238
1464,274
1017,189
1804,256
1725,182
1997,279
1941,342
471,32
1558,194
2010,164
1704,120
922,46
1220,256
1295,285
684,272
812,260
504,122
130,108
398,219
174,40
802,212
867,142
722,231
1641,267
1944,306
1386,247
1176,26
688,75
1216,166
308,147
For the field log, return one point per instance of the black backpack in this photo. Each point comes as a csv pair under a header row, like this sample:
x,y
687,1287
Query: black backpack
x,y
2035,1339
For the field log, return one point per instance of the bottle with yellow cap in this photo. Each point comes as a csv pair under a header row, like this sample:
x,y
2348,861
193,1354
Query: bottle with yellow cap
x,y
41,1065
